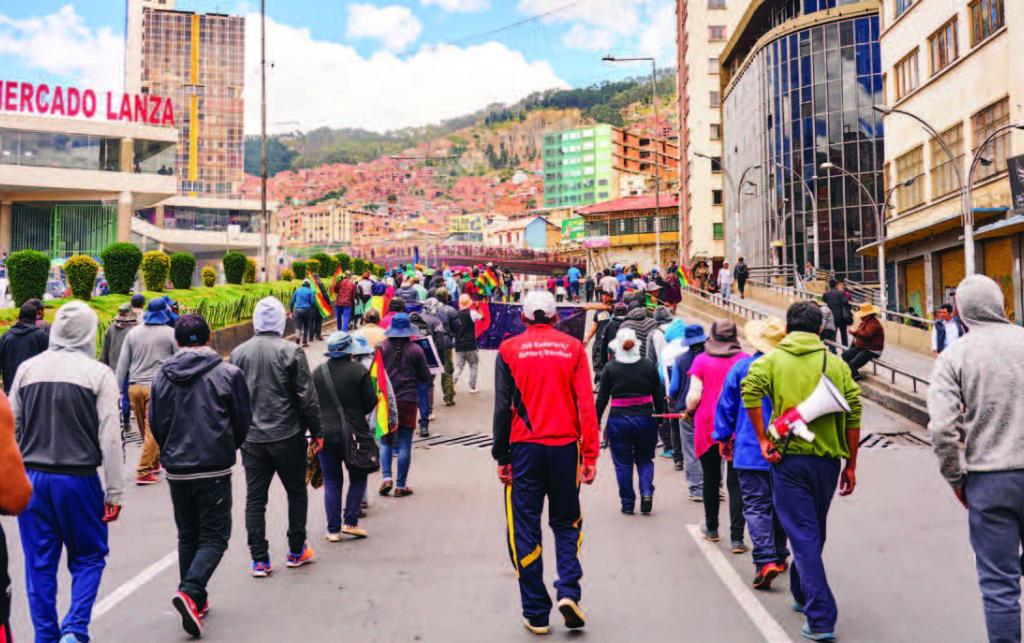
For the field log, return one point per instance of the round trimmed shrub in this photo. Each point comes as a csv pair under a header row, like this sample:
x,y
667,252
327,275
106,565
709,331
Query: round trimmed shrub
x,y
27,271
182,266
313,267
344,261
155,267
209,276
359,266
81,271
121,263
328,264
300,269
234,267
287,274
249,276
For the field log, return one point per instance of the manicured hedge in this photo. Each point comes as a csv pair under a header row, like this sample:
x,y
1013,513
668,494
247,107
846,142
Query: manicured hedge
x,y
287,274
81,271
155,267
328,264
300,268
27,270
121,263
249,276
344,261
313,267
234,267
182,266
209,276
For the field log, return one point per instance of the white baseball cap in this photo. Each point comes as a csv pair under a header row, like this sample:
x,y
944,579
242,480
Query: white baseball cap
x,y
539,300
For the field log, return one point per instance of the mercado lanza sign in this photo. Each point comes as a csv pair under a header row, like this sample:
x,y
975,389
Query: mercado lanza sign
x,y
31,98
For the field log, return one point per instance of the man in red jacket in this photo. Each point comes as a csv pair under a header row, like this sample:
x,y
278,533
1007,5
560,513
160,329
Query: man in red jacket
x,y
344,293
546,443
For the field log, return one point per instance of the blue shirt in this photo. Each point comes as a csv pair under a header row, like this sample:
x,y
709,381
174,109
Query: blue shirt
x,y
302,299
574,274
731,419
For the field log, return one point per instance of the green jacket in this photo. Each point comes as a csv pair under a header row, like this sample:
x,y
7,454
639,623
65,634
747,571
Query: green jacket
x,y
788,376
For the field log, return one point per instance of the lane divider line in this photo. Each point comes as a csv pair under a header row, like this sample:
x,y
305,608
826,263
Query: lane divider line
x,y
740,590
111,600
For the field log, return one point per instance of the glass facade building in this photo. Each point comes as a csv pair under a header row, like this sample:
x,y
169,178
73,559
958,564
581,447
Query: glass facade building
x,y
578,167
794,102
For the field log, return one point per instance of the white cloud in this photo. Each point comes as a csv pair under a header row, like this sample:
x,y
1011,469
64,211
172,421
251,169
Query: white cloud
x,y
316,83
62,44
394,26
458,5
658,37
617,16
588,38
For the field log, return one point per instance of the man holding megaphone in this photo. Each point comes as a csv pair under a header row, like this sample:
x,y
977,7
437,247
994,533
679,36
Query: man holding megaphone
x,y
816,424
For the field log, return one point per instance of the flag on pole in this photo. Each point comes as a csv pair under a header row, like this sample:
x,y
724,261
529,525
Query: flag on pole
x,y
338,275
322,305
489,278
681,273
381,419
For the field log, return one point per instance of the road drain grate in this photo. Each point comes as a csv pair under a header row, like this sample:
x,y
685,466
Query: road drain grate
x,y
904,439
468,440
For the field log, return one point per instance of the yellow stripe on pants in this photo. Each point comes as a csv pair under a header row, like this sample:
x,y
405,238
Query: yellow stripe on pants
x,y
511,529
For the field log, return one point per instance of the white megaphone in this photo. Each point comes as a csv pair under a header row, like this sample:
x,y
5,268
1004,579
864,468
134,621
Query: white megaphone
x,y
825,399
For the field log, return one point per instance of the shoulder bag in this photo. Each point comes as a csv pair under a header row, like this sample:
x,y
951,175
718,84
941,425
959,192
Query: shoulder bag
x,y
360,452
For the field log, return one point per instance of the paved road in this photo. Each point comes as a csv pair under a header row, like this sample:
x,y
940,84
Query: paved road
x,y
435,567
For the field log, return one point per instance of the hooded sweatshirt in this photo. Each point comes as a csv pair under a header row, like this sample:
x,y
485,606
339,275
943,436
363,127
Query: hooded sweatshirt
x,y
788,375
656,338
982,372
65,405
21,342
199,412
643,325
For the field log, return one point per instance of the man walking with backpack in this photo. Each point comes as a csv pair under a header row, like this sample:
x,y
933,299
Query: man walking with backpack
x,y
198,452
741,273
285,407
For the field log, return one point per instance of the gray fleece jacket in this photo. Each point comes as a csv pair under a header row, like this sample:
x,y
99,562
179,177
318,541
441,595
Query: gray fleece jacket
x,y
143,352
976,383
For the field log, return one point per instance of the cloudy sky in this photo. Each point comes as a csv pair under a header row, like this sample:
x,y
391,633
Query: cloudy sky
x,y
375,64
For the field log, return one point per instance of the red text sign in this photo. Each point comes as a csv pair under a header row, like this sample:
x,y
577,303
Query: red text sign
x,y
30,98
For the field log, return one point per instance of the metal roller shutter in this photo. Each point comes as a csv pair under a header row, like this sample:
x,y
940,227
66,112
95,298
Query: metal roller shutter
x,y
999,266
951,267
913,290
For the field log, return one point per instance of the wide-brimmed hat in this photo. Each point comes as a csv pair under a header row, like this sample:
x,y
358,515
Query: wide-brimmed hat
x,y
765,334
157,313
694,334
344,343
401,326
867,309
724,340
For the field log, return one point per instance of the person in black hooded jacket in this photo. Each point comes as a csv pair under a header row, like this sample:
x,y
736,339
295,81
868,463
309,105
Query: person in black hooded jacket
x,y
200,413
22,341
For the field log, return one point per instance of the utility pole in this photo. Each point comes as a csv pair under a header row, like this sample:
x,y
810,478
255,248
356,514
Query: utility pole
x,y
657,171
264,229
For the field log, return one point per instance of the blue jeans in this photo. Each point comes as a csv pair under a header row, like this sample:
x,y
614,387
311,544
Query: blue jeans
x,y
343,316
399,444
802,488
995,503
334,479
691,465
632,440
766,533
65,512
425,400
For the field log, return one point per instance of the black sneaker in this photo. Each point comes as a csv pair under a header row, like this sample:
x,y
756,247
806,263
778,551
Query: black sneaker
x,y
424,432
679,466
628,512
646,504
572,613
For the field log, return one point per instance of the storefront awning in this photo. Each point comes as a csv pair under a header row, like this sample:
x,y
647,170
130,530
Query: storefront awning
x,y
931,229
1001,228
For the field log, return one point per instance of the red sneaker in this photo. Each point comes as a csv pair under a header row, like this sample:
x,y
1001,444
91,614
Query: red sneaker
x,y
191,621
147,479
765,575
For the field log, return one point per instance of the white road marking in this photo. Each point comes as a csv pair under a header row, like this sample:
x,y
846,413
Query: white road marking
x,y
111,600
744,595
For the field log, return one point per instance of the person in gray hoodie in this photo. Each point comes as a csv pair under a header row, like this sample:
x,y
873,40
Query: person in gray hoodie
x,y
143,352
969,386
641,323
110,352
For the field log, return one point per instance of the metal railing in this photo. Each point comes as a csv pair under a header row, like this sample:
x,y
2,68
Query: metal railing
x,y
903,318
752,313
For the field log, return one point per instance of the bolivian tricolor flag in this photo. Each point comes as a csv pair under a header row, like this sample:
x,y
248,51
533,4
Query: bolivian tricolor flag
x,y
322,304
683,280
381,424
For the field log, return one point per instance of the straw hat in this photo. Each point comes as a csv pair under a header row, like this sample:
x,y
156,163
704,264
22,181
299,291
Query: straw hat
x,y
868,309
765,334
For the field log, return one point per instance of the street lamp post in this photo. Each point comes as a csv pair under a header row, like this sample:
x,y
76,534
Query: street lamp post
x,y
814,205
969,189
879,221
657,154
736,187
264,229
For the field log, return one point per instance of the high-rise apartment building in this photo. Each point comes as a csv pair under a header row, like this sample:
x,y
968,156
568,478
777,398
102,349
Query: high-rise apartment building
x,y
578,167
702,29
198,60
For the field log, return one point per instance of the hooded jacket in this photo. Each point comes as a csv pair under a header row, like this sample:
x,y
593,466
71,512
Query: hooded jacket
x,y
788,375
114,338
656,338
303,298
982,372
284,401
21,342
642,324
199,413
65,405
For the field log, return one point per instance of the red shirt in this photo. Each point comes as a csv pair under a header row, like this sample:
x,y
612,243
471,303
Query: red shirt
x,y
543,393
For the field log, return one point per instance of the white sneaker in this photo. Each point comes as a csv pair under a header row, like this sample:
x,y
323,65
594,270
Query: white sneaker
x,y
474,391
333,538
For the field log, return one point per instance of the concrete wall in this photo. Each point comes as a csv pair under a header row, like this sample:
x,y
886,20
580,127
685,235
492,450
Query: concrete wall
x,y
228,338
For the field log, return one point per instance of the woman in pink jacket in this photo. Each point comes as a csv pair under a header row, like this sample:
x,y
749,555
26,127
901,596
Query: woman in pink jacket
x,y
707,376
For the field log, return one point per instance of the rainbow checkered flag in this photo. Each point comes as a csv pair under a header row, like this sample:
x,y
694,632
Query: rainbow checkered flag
x,y
381,415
